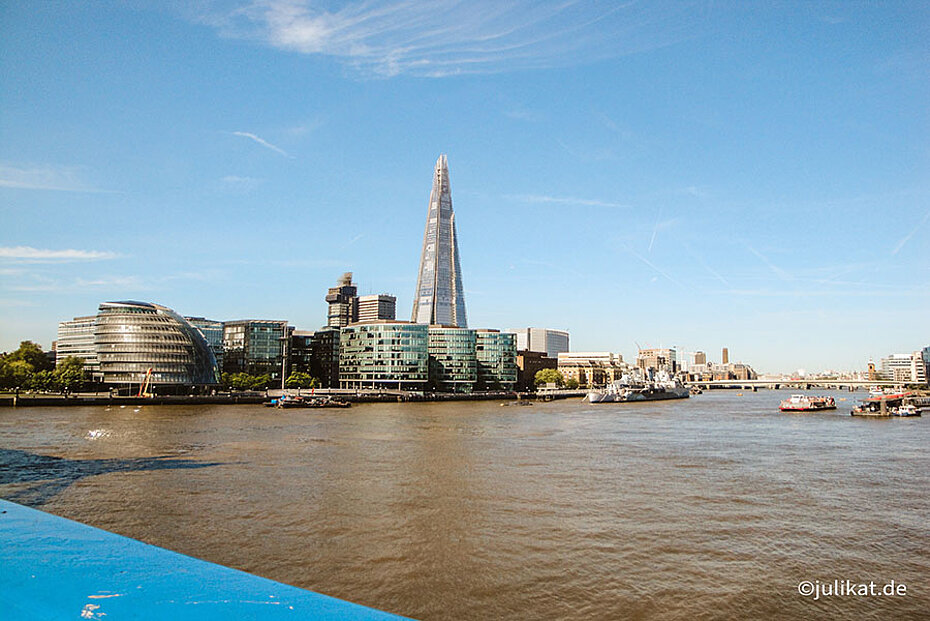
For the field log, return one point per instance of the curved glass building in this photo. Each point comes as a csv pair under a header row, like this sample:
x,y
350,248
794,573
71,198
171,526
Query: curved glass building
x,y
133,337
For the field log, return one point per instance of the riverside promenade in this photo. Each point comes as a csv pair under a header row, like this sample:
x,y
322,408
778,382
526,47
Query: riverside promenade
x,y
254,397
55,568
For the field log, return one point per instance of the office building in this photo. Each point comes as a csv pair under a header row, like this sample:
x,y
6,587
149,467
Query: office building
x,y
453,365
389,355
343,302
496,354
904,368
213,333
725,356
658,359
76,339
381,307
440,297
254,346
324,356
139,340
549,342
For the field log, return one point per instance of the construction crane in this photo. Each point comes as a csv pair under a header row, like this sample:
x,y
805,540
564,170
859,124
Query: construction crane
x,y
146,386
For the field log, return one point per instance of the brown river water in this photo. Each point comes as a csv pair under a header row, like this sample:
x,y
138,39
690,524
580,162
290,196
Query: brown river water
x,y
714,507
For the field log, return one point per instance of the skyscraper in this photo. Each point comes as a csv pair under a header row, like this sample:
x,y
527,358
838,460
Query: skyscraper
x,y
440,298
343,302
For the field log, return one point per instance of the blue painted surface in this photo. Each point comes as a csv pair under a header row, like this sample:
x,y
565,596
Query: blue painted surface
x,y
53,568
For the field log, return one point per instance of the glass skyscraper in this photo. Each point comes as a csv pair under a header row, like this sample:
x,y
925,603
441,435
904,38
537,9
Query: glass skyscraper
x,y
440,298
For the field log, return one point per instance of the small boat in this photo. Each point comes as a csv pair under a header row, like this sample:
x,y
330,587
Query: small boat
x,y
905,410
288,402
803,403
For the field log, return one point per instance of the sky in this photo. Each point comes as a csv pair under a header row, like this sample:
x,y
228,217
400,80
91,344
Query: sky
x,y
696,175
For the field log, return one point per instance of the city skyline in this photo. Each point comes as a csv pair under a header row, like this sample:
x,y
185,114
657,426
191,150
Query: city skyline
x,y
673,175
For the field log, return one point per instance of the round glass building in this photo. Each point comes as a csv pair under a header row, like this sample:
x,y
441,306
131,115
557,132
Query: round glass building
x,y
133,337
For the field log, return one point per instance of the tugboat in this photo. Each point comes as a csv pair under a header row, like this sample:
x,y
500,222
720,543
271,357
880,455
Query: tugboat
x,y
803,403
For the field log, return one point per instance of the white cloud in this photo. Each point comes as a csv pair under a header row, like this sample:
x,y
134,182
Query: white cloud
x,y
447,37
28,253
566,200
262,142
54,178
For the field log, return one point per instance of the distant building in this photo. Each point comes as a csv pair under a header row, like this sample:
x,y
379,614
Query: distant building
x,y
381,307
76,338
904,368
453,364
496,354
213,333
324,356
549,342
254,346
700,358
528,364
343,302
658,360
300,352
390,355
725,356
135,340
591,369
440,296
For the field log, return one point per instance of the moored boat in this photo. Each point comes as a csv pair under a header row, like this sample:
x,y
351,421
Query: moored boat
x,y
804,403
623,392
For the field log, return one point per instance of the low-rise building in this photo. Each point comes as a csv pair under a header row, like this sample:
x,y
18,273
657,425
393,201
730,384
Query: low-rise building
x,y
591,369
254,346
389,354
496,355
76,339
529,363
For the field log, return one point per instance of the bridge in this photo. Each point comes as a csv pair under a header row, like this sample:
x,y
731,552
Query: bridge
x,y
799,384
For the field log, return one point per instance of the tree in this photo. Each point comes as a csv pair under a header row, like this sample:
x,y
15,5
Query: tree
x,y
549,376
301,380
44,380
261,382
33,355
571,384
70,373
15,373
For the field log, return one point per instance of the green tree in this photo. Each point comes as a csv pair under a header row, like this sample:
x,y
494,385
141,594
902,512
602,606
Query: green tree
x,y
571,384
549,376
33,355
15,373
301,380
44,380
261,382
70,373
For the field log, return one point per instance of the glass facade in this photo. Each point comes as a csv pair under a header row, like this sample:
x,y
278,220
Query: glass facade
x,y
254,346
384,355
324,357
453,366
213,333
76,339
440,297
133,337
496,353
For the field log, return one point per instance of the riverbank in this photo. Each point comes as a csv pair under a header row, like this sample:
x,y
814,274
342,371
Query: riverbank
x,y
251,398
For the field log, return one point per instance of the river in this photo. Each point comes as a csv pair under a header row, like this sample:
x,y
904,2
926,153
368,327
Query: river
x,y
716,506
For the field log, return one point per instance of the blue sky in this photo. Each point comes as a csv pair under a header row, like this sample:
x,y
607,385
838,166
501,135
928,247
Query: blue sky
x,y
699,175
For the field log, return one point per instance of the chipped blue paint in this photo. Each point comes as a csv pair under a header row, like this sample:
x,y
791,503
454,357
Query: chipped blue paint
x,y
53,568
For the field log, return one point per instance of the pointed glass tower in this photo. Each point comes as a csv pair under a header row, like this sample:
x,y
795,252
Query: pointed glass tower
x,y
440,298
